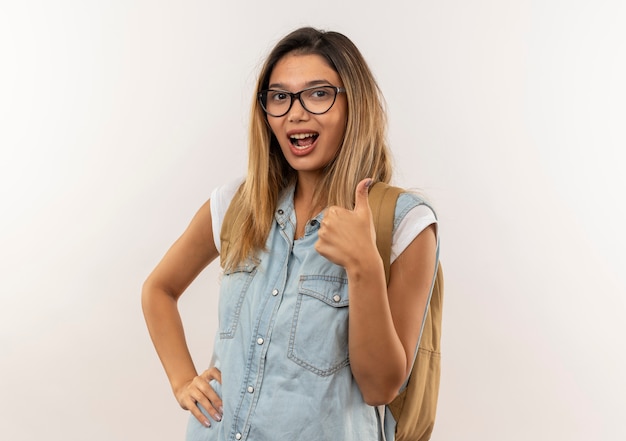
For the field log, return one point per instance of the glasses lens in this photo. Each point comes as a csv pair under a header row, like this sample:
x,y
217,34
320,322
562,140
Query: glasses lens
x,y
319,99
275,102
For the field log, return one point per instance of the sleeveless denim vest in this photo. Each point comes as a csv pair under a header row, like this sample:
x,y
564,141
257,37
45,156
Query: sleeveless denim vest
x,y
282,344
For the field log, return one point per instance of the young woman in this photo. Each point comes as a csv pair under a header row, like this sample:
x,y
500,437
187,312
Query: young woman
x,y
311,338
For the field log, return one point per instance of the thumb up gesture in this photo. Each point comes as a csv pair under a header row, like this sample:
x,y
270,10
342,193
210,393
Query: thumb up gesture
x,y
346,236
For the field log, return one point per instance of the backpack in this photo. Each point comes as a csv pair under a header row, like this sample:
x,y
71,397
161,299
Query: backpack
x,y
415,406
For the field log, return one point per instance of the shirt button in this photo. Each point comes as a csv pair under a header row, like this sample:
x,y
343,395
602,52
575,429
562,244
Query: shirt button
x,y
281,212
250,389
336,297
238,436
260,341
275,292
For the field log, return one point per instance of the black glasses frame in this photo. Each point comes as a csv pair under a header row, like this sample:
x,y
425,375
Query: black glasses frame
x,y
262,97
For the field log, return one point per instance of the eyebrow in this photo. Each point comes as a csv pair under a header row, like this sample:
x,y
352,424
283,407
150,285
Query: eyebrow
x,y
307,84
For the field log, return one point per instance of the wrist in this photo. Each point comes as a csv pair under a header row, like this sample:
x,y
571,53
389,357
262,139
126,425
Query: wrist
x,y
367,266
179,386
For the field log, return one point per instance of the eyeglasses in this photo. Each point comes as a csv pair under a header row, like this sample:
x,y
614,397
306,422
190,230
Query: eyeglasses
x,y
315,100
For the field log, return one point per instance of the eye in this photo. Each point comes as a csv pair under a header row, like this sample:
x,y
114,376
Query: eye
x,y
277,96
319,93
323,94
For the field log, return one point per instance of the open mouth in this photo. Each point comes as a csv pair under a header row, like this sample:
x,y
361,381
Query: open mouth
x,y
303,140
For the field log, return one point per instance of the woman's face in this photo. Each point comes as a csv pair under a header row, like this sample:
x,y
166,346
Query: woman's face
x,y
308,141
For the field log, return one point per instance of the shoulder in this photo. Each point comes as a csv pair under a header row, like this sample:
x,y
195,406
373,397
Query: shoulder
x,y
413,214
411,202
220,200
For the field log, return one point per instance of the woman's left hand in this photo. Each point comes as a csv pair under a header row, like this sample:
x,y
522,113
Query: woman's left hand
x,y
346,237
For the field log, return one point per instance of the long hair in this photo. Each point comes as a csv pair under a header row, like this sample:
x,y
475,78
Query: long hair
x,y
362,154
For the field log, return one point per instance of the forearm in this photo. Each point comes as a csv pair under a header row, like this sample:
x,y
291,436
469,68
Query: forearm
x,y
167,333
377,357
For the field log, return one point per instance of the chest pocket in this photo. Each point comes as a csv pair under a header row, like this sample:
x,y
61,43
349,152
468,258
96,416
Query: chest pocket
x,y
319,331
235,284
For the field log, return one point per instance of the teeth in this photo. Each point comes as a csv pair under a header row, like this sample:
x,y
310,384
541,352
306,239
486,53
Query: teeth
x,y
302,135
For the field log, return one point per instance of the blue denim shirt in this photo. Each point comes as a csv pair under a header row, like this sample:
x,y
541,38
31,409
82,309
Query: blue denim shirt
x,y
282,344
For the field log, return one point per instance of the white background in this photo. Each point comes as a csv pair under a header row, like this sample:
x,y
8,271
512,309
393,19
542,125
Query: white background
x,y
118,117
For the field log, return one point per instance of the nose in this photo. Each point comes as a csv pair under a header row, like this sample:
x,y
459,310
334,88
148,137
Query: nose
x,y
297,112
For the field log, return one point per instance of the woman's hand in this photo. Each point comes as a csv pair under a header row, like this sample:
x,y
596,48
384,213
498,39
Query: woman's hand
x,y
347,237
199,392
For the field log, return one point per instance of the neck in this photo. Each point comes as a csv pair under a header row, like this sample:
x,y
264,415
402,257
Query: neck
x,y
306,186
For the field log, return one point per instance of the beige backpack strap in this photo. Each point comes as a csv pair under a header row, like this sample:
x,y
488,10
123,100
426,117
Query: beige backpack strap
x,y
415,408
382,201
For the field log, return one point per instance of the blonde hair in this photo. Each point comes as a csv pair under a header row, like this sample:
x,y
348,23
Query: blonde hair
x,y
363,153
